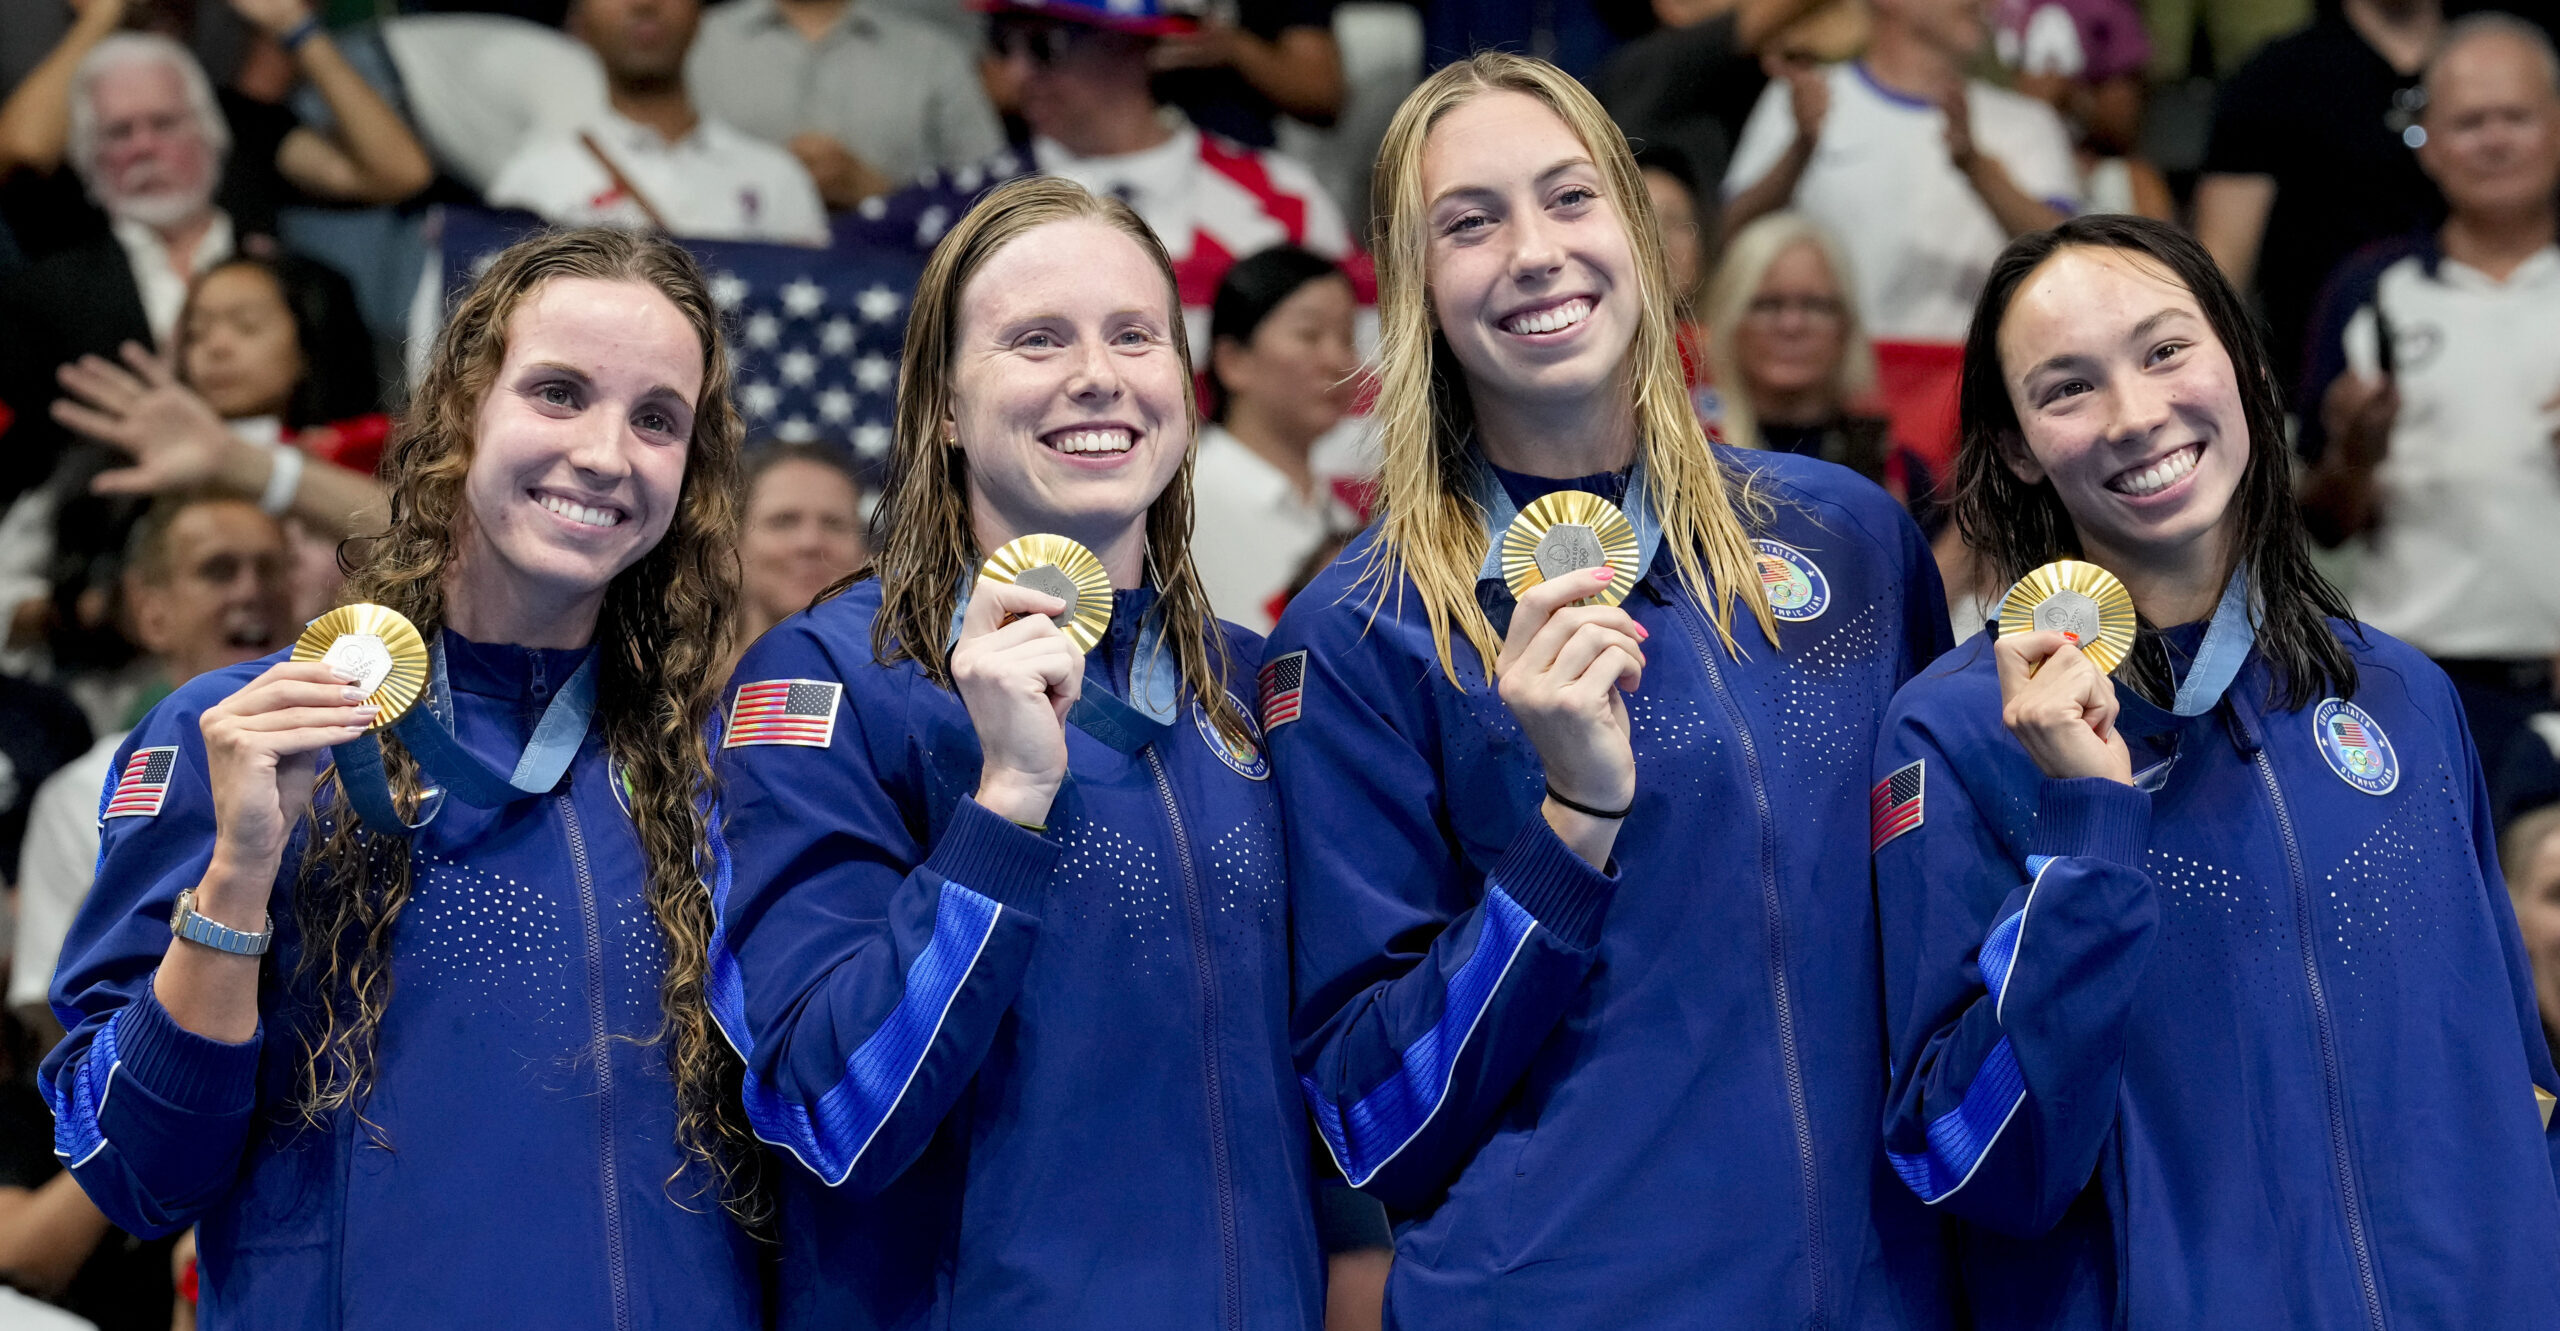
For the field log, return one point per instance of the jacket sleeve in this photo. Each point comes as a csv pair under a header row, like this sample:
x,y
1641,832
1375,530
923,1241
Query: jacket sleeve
x,y
1424,984
860,971
150,1117
2009,1047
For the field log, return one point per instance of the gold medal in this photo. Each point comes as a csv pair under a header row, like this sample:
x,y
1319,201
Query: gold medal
x,y
2082,600
379,646
1056,566
1567,531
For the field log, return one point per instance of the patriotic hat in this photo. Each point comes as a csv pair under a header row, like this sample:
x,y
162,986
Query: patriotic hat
x,y
1143,18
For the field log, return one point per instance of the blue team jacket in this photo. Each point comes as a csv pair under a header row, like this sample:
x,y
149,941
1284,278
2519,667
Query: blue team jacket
x,y
1030,1080
526,1162
1640,1098
2251,1044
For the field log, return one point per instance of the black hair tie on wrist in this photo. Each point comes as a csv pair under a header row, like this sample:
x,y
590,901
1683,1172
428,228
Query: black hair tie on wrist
x,y
1606,815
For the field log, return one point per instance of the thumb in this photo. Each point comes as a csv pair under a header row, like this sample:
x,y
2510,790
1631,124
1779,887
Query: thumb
x,y
125,481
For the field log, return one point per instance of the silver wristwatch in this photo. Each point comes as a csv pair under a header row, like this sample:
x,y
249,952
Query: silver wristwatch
x,y
186,924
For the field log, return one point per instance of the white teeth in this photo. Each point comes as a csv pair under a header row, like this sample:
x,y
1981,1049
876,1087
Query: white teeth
x,y
2159,475
1111,440
580,513
1551,320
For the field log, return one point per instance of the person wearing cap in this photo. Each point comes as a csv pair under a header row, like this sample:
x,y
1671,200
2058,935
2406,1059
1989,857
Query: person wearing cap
x,y
1002,908
2209,1008
1081,74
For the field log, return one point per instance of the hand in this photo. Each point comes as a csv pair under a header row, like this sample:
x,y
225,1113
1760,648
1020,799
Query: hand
x,y
1561,672
260,746
173,435
1959,114
2359,413
1213,46
1808,93
2061,706
843,180
1017,674
273,17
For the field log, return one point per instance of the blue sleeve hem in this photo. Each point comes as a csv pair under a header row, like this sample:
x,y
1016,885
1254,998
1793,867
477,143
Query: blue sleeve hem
x,y
995,857
2095,817
1558,888
190,1071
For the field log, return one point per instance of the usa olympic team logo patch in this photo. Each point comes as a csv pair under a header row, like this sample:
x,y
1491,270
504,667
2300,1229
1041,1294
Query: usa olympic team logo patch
x,y
1244,755
1797,589
2355,746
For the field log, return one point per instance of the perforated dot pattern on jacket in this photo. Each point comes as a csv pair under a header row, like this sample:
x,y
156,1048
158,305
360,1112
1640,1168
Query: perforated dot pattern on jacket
x,y
1246,872
1829,697
1108,879
2386,896
491,938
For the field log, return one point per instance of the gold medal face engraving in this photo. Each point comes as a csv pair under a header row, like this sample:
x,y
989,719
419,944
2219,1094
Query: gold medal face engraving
x,y
2077,598
1056,566
1565,532
376,644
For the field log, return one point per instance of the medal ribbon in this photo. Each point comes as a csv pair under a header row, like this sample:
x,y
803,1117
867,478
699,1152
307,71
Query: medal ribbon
x,y
1125,726
428,733
1499,512
2226,646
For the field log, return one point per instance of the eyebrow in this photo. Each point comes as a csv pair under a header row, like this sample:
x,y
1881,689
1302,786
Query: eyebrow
x,y
587,380
1549,173
2140,331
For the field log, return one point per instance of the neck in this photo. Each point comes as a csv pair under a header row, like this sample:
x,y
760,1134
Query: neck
x,y
1559,440
2181,589
1802,406
660,105
1897,58
2497,243
1126,124
812,18
182,238
483,611
1274,443
2401,31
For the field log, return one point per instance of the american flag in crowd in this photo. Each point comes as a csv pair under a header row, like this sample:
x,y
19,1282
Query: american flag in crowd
x,y
783,711
2349,733
1893,806
1284,682
814,334
143,785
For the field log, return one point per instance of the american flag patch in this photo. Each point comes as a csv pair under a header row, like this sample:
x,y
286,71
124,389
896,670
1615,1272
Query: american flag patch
x,y
1284,682
784,711
2348,733
1893,807
144,784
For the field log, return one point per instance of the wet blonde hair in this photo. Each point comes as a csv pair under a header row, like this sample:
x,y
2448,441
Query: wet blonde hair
x,y
922,530
1434,532
1737,281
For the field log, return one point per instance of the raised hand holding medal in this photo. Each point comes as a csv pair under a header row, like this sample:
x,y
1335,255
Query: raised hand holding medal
x,y
1018,666
2063,628
1570,654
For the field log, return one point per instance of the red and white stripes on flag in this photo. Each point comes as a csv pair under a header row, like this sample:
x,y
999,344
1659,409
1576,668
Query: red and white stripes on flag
x,y
143,786
783,711
1284,682
1893,806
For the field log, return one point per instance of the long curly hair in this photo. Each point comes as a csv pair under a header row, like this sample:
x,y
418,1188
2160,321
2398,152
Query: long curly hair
x,y
1433,531
925,541
660,640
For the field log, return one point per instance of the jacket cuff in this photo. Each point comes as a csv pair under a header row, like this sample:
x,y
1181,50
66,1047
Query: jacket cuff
x,y
1558,888
995,857
2093,817
191,1072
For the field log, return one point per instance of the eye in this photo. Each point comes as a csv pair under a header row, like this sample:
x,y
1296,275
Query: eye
x,y
1134,337
1037,341
2068,388
2167,351
655,420
1576,196
554,392
1465,222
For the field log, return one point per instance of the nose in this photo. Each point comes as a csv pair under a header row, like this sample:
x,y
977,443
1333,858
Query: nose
x,y
2143,407
597,449
1095,377
1537,247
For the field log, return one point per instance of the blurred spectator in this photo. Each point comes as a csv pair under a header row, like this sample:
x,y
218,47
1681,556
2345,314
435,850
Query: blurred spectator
x,y
650,159
1672,184
1249,60
1922,174
1792,363
1690,84
2529,856
2309,159
479,85
2430,407
41,728
143,130
801,535
1281,369
2084,58
1081,66
867,99
2233,30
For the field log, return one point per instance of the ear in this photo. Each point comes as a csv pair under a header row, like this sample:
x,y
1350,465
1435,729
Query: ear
x,y
1226,357
2020,459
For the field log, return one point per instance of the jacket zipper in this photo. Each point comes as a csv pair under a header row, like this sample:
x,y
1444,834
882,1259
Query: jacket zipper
x,y
600,1047
1231,1292
1773,919
2351,1200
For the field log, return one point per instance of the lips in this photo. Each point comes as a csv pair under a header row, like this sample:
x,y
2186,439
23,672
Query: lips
x,y
582,514
1552,317
1104,439
2153,477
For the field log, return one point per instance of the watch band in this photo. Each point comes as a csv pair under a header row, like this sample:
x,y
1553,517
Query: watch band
x,y
187,924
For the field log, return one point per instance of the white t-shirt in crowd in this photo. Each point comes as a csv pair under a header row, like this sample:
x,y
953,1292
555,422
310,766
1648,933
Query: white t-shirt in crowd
x,y
713,184
1251,529
479,84
2465,562
1919,238
56,864
162,287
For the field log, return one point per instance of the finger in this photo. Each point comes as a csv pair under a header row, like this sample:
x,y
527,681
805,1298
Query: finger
x,y
283,693
1561,627
1615,670
2018,655
1019,631
126,481
1540,603
97,382
310,739
261,728
152,370
98,425
993,602
1585,646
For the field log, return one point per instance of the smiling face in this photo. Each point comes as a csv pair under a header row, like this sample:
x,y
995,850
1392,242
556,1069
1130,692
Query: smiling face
x,y
241,351
1531,274
1795,330
2128,403
578,456
1067,390
215,592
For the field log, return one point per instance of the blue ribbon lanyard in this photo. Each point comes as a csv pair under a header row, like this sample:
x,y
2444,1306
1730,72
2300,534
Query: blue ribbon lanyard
x,y
427,731
1155,683
2228,640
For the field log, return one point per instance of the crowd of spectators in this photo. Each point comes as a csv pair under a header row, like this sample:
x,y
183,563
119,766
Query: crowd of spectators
x,y
198,367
